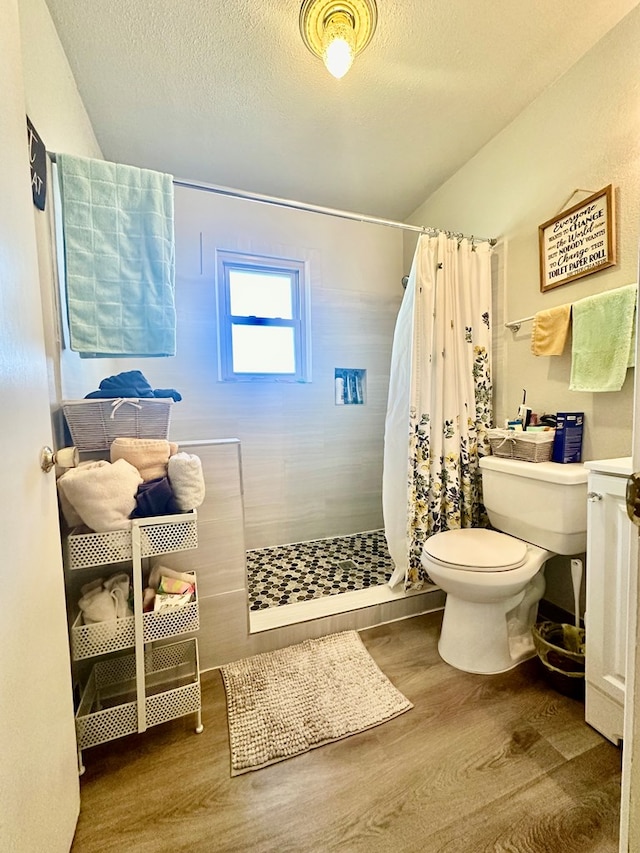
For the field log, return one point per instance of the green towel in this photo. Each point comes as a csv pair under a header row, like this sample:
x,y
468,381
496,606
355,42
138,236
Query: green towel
x,y
603,340
119,258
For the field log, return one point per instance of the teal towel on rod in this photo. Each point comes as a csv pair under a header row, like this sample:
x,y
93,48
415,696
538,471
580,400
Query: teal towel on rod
x,y
119,258
603,340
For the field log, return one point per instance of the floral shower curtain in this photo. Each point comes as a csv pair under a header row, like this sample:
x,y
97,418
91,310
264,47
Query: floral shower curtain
x,y
439,407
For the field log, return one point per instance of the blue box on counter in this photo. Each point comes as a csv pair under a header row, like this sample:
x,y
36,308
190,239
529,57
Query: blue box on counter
x,y
567,444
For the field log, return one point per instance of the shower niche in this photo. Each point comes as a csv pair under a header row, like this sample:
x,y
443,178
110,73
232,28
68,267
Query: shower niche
x,y
350,386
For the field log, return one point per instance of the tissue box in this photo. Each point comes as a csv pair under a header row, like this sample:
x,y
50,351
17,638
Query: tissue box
x,y
567,444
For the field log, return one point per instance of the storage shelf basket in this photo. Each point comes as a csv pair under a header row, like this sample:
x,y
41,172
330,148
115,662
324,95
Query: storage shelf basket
x,y
108,707
95,424
158,535
526,446
103,637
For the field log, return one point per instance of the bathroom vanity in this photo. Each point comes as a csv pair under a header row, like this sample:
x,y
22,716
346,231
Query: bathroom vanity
x,y
611,569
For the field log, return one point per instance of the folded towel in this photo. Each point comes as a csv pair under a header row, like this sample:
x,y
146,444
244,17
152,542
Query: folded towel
x,y
105,601
550,329
602,340
97,605
130,383
155,498
118,586
71,516
187,480
103,495
119,258
149,455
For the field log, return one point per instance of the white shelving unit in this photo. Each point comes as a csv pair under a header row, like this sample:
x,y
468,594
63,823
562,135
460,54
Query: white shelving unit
x,y
129,693
125,693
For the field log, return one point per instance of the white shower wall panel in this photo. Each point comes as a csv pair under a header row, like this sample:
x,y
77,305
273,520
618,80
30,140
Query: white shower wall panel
x,y
311,469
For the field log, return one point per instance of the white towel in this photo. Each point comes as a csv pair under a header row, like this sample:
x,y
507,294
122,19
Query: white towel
x,y
187,480
71,515
105,601
103,495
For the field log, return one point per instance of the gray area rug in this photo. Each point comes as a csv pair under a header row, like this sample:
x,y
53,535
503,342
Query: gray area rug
x,y
286,702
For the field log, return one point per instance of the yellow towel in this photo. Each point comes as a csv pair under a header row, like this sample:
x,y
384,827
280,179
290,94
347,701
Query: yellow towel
x,y
550,330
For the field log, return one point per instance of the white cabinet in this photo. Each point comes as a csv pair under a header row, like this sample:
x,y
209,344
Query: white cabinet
x,y
610,543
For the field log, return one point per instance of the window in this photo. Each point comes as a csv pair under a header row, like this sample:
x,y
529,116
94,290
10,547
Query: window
x,y
262,318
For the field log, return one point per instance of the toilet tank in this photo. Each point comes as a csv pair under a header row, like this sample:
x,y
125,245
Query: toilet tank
x,y
544,503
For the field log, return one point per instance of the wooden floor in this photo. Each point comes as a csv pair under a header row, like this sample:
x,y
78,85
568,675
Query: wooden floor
x,y
480,764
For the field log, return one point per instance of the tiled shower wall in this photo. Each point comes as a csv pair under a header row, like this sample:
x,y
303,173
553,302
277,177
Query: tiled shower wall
x,y
311,469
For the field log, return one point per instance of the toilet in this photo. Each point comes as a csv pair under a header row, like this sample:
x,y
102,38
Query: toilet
x,y
494,578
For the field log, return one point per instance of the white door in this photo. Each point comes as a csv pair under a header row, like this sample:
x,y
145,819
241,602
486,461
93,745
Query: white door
x,y
39,791
630,811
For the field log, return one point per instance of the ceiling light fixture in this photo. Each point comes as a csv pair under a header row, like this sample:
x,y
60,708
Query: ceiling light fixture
x,y
337,30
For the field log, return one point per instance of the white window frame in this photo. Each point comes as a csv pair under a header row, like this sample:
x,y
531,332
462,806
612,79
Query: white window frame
x,y
296,271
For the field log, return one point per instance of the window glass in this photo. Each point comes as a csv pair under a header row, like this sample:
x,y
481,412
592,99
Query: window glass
x,y
260,294
263,349
263,318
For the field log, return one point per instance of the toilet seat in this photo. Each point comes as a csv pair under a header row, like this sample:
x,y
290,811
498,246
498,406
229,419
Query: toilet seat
x,y
476,550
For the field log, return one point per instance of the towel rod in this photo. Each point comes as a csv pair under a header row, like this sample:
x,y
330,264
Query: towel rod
x,y
514,325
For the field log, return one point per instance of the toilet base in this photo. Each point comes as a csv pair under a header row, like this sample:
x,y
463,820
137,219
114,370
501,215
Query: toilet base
x,y
475,637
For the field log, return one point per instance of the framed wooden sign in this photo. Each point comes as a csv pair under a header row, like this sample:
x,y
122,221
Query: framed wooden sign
x,y
579,241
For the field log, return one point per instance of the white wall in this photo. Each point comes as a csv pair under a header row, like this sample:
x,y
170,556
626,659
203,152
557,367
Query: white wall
x,y
310,468
583,132
56,110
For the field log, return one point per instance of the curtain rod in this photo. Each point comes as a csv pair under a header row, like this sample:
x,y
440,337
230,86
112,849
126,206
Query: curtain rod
x,y
313,208
327,211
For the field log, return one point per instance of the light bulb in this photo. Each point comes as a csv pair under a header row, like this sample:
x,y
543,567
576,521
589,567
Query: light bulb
x,y
338,44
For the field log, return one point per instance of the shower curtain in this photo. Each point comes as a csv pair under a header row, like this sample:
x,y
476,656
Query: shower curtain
x,y
439,406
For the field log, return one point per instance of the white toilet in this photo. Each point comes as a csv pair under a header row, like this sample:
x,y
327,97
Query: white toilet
x,y
494,580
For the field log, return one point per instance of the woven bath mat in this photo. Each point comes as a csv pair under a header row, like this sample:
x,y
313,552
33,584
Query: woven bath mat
x,y
284,703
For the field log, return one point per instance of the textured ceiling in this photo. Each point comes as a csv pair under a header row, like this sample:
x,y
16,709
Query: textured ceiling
x,y
225,91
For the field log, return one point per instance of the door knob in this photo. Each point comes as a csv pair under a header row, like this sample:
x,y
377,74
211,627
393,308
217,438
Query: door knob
x,y
633,498
66,457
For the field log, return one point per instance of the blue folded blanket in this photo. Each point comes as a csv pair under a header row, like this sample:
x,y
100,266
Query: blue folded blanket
x,y
130,383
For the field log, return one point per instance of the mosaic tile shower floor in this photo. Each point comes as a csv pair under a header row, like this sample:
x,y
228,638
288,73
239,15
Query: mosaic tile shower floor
x,y
305,570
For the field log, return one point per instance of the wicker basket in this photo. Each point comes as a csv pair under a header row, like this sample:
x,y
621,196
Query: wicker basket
x,y
94,424
526,446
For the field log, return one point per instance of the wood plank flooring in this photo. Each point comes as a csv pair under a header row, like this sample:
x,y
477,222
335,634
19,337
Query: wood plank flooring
x,y
481,764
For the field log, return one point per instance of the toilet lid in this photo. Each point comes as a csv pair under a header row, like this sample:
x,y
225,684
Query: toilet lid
x,y
476,550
